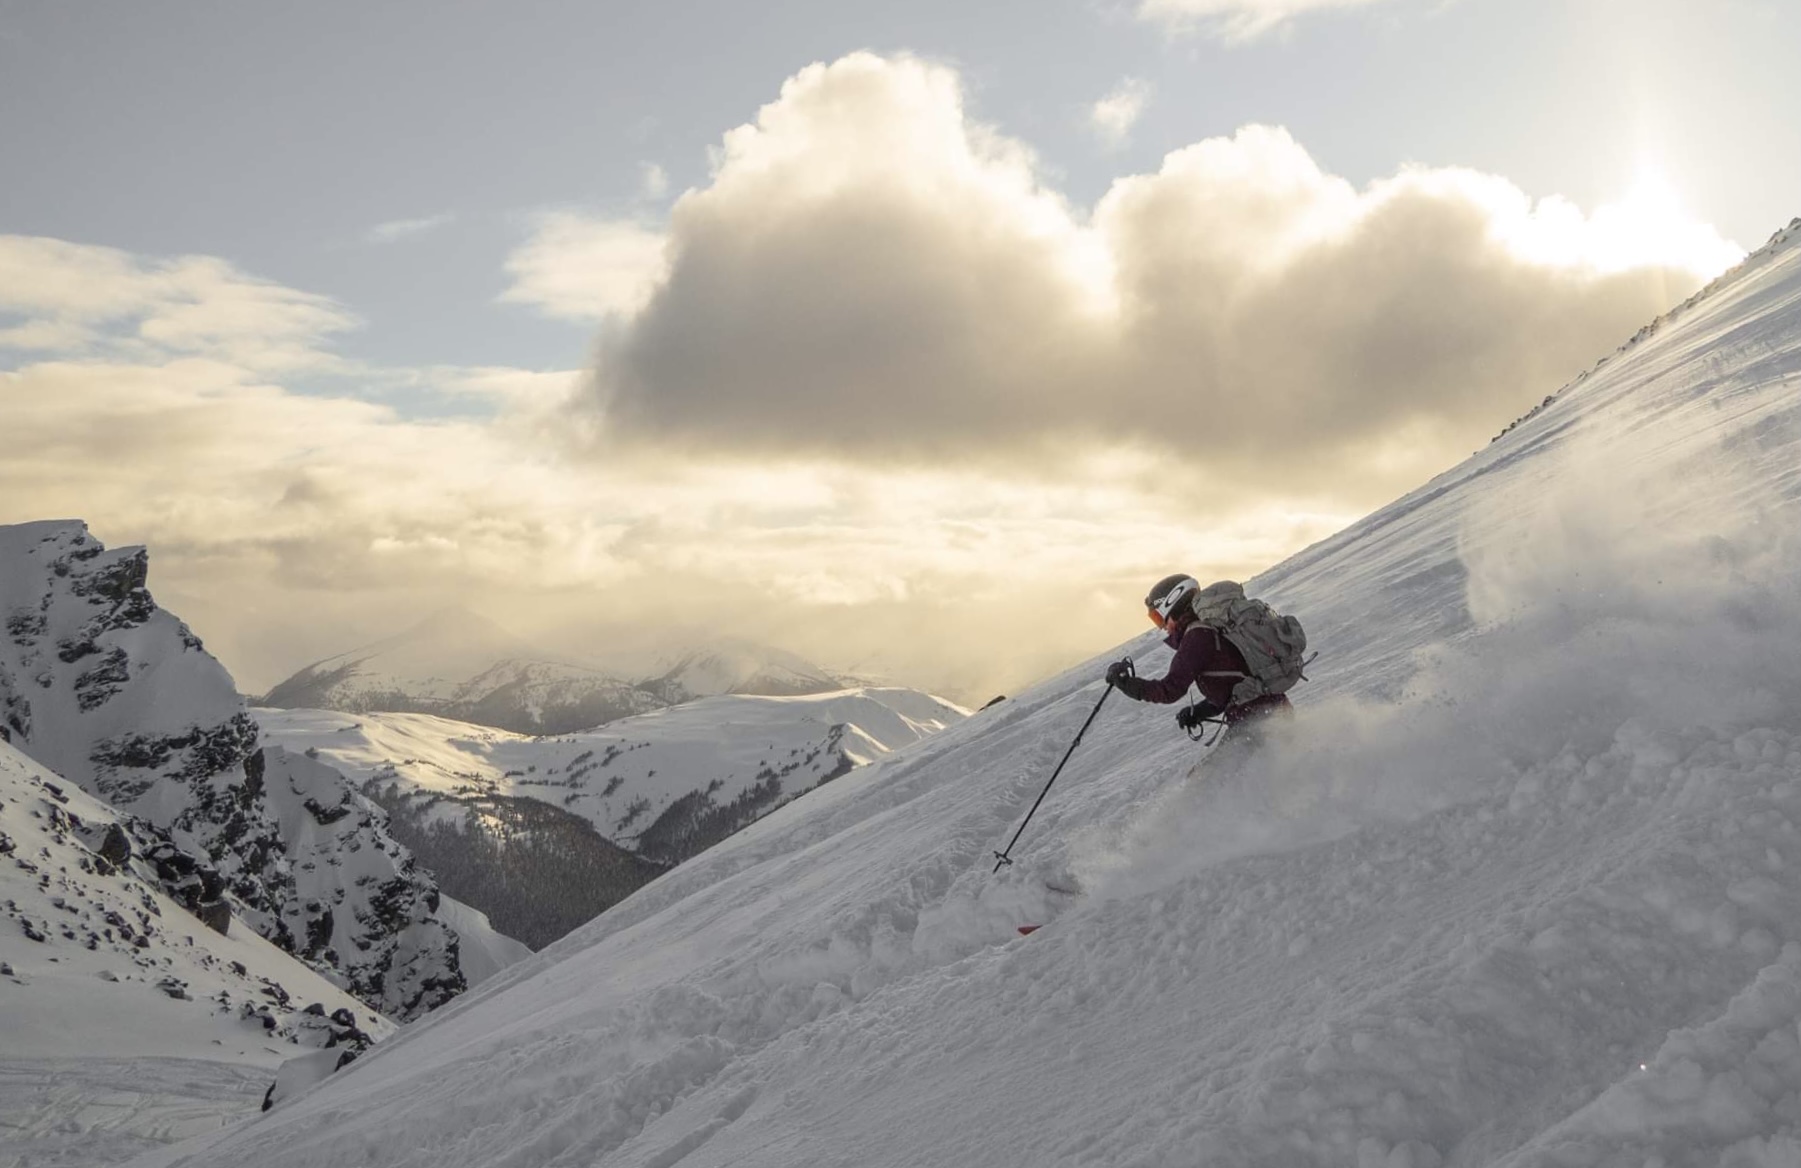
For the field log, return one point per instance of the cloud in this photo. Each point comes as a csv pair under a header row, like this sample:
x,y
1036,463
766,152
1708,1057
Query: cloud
x,y
398,229
872,275
288,526
1235,21
875,381
653,181
530,387
95,300
583,268
1113,117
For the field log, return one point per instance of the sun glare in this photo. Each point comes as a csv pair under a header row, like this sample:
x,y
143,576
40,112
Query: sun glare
x,y
1647,227
1651,226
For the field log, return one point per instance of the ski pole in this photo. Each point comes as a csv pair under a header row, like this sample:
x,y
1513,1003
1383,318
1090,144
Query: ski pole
x,y
1001,859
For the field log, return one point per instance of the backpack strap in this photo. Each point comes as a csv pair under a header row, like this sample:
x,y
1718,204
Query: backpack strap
x,y
1240,674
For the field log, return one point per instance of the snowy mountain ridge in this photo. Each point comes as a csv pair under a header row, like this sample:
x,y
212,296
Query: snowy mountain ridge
x,y
1516,887
739,667
459,665
101,686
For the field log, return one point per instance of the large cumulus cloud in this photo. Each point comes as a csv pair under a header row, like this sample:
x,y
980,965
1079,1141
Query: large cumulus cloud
x,y
871,274
290,525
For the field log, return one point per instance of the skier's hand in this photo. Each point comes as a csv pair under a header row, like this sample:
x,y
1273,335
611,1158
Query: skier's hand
x,y
1191,716
1119,671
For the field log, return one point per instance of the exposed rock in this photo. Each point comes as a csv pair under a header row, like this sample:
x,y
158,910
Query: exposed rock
x,y
115,847
131,708
215,915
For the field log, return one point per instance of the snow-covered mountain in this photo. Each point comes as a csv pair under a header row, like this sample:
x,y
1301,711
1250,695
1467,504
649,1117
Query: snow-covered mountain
x,y
101,686
740,667
125,1021
1518,886
462,666
608,809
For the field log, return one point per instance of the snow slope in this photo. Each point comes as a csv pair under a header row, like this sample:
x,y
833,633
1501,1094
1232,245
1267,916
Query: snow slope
x,y
1519,886
116,1003
483,951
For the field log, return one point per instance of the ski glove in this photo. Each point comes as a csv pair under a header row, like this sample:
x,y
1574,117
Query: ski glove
x,y
1192,716
1118,672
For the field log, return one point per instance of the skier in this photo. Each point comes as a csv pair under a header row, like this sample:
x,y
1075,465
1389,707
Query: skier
x,y
1242,654
1205,658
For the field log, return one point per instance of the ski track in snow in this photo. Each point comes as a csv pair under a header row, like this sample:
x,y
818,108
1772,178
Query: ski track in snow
x,y
84,1112
1520,885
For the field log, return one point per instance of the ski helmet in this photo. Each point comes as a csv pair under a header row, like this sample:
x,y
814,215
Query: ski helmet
x,y
1168,596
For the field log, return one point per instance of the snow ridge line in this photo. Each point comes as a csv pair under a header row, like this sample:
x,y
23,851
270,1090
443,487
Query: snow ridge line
x,y
1777,243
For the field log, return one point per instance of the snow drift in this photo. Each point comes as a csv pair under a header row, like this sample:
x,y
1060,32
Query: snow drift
x,y
1519,885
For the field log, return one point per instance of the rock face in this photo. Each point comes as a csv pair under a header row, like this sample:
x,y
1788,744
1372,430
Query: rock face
x,y
103,687
361,906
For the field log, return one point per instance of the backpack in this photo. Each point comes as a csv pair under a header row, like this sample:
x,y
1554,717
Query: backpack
x,y
1272,644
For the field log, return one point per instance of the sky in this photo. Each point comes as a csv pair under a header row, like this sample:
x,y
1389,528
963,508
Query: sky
x,y
918,339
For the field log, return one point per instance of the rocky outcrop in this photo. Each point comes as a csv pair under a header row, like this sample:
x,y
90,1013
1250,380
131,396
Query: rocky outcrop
x,y
103,687
94,893
363,907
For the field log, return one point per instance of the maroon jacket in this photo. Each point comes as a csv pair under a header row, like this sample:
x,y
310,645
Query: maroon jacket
x,y
1202,655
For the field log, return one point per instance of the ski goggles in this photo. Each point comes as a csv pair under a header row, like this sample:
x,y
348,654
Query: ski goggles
x,y
1157,618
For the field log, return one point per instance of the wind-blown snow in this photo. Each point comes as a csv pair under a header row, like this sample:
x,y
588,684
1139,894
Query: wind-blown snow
x,y
1518,886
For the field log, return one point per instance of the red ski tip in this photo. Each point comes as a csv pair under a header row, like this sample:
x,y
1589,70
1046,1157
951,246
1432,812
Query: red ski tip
x,y
1028,930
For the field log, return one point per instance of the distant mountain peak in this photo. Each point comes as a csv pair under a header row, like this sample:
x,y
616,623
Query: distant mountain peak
x,y
459,664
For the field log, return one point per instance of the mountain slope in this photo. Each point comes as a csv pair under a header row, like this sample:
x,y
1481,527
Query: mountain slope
x,y
116,1002
608,809
1516,887
105,688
